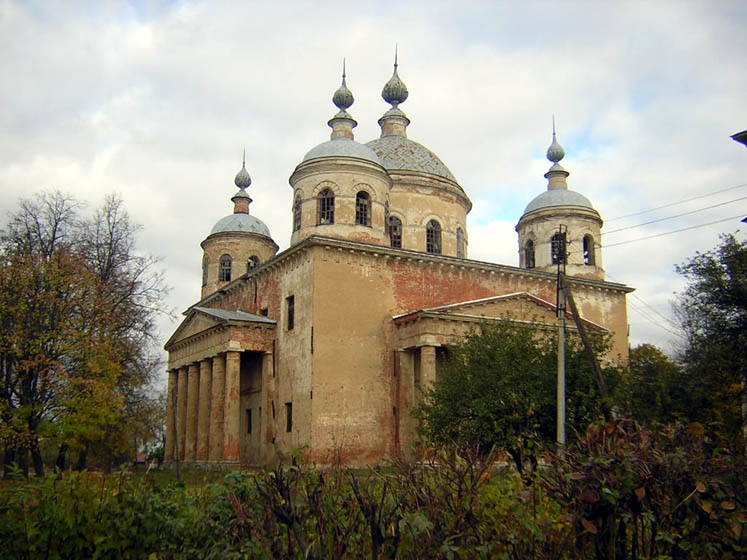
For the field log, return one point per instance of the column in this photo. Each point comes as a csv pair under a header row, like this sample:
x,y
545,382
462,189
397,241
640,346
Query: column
x,y
203,418
193,394
232,407
170,416
181,412
265,423
427,366
218,397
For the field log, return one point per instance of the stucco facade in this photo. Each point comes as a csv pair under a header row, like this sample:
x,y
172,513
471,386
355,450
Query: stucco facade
x,y
327,344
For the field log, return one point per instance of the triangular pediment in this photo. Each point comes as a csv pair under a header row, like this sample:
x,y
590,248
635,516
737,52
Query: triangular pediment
x,y
202,319
195,323
520,306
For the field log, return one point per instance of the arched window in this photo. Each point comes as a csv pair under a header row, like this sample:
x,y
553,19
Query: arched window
x,y
461,244
395,232
557,248
386,216
224,273
529,254
362,209
297,214
433,237
252,263
588,249
326,207
204,270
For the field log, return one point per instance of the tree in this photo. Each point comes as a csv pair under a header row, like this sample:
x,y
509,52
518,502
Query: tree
x,y
713,314
659,389
499,389
77,311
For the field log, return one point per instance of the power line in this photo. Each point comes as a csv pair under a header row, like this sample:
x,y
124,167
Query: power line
x,y
676,215
666,319
671,232
678,202
654,322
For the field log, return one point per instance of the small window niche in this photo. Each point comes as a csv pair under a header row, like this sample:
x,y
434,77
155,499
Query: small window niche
x,y
289,417
290,306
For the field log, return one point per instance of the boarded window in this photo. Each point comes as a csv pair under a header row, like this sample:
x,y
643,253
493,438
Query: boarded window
x,y
205,265
461,244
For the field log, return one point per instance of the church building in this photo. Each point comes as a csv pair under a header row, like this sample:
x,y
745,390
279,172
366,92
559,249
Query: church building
x,y
327,345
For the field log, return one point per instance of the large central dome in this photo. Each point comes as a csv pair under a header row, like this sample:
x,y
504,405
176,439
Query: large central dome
x,y
401,153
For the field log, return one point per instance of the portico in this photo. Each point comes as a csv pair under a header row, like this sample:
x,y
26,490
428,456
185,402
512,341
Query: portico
x,y
221,363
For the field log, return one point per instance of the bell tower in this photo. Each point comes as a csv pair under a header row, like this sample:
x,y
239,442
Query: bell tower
x,y
558,205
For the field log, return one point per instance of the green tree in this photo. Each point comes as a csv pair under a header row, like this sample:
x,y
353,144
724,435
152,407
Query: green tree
x,y
713,314
659,389
499,389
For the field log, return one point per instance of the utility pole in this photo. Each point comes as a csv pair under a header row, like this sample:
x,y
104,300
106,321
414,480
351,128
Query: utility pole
x,y
559,255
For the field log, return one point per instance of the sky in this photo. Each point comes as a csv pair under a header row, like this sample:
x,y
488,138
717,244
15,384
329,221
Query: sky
x,y
156,101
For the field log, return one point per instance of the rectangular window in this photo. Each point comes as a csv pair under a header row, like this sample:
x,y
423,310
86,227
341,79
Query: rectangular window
x,y
288,417
264,311
290,303
248,420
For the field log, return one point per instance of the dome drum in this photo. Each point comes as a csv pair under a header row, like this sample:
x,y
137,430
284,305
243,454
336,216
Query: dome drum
x,y
340,198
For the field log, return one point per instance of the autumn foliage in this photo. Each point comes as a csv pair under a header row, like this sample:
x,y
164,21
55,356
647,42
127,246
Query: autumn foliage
x,y
77,306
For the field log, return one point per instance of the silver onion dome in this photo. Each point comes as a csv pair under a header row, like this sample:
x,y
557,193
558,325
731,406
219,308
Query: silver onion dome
x,y
395,90
555,152
243,180
343,97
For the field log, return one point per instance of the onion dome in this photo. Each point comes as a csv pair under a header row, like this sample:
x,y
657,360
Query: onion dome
x,y
555,152
395,150
343,97
342,142
395,90
243,180
241,220
557,193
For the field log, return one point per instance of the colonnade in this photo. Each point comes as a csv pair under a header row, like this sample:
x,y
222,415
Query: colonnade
x,y
203,410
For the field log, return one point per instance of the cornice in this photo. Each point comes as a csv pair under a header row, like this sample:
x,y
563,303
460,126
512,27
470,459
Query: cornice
x,y
381,251
336,164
